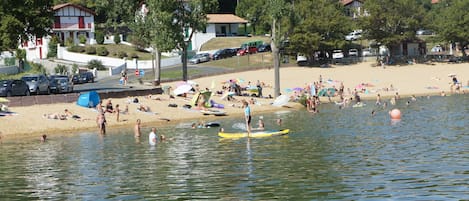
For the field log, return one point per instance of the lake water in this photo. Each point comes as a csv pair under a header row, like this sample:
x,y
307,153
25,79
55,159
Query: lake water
x,y
335,155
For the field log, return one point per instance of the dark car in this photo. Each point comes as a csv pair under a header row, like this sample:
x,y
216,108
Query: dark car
x,y
83,78
53,82
14,88
264,48
221,54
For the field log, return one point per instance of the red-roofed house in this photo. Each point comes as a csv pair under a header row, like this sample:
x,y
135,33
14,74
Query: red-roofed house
x,y
70,21
218,25
354,8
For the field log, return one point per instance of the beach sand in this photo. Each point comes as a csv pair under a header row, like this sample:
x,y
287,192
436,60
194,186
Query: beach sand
x,y
419,79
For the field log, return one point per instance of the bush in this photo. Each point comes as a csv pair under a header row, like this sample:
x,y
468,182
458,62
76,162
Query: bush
x,y
90,50
121,54
117,38
38,68
69,42
76,48
102,51
82,39
99,37
74,68
53,47
134,55
60,69
95,64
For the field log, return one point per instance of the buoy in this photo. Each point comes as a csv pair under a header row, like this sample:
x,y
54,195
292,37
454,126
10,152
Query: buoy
x,y
395,114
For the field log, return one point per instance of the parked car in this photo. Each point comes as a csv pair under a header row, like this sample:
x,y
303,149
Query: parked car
x,y
86,77
221,54
353,53
337,54
199,58
354,35
53,84
64,85
301,60
14,88
368,52
264,48
424,32
247,50
37,83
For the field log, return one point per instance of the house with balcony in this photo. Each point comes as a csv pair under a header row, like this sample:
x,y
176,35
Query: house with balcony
x,y
354,8
71,21
218,25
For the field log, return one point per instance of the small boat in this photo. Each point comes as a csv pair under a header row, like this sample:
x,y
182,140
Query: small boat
x,y
255,134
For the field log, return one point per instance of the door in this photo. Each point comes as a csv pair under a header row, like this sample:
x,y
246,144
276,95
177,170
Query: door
x,y
223,30
81,22
16,88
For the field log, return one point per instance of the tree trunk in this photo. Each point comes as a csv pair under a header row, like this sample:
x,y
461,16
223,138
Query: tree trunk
x,y
158,67
275,52
184,62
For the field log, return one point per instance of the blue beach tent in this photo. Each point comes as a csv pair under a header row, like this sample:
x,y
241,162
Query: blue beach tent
x,y
89,99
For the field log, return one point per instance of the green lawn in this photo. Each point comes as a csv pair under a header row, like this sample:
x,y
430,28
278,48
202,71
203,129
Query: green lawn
x,y
227,42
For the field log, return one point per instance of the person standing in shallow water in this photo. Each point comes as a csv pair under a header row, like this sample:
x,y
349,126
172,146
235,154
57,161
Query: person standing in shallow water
x,y
137,131
247,116
152,137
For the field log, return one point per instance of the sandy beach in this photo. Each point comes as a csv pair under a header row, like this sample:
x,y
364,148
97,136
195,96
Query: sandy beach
x,y
419,79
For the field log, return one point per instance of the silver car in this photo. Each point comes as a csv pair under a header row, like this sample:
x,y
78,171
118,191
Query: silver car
x,y
64,85
37,83
199,58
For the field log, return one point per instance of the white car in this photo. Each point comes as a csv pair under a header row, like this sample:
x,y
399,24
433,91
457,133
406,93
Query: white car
x,y
337,54
354,35
353,53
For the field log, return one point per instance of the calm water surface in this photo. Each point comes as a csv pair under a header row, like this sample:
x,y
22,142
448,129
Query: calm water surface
x,y
335,155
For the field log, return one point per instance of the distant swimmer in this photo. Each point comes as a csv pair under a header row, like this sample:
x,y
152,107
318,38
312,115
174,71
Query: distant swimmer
x,y
137,129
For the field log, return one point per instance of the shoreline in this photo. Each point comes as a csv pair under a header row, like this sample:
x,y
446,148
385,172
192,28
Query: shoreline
x,y
408,81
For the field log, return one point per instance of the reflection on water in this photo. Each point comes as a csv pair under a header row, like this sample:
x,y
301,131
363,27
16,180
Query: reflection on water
x,y
336,154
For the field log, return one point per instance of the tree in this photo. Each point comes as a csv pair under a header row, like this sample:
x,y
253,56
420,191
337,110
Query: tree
x,y
175,22
256,12
322,28
28,18
116,12
392,22
451,21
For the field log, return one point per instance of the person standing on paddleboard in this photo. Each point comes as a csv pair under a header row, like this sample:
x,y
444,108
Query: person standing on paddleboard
x,y
247,116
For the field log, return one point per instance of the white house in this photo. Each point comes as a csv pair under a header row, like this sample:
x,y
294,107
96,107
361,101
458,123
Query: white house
x,y
354,8
218,25
70,21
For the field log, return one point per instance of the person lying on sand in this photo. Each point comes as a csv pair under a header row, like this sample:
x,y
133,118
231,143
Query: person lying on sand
x,y
143,108
54,116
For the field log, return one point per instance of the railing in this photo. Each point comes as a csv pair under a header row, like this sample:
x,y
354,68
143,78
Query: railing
x,y
72,26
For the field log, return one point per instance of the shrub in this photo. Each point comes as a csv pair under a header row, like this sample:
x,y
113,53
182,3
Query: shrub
x,y
102,51
121,54
90,50
53,47
95,64
134,55
117,38
69,42
82,39
60,69
74,68
76,48
99,37
38,68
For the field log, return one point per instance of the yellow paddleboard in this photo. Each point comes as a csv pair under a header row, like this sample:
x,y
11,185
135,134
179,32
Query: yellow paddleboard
x,y
255,134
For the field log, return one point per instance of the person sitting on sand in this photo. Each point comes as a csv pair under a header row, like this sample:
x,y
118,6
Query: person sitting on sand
x,y
109,107
71,115
143,108
54,116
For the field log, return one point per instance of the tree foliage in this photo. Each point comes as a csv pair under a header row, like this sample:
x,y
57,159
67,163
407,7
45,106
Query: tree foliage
x,y
392,22
256,13
22,19
451,21
322,28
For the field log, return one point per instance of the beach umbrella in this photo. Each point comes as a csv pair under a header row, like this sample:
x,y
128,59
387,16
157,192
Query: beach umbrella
x,y
182,89
4,100
281,101
191,82
297,89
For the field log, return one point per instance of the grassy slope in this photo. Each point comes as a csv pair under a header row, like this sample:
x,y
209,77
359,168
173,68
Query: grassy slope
x,y
227,42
